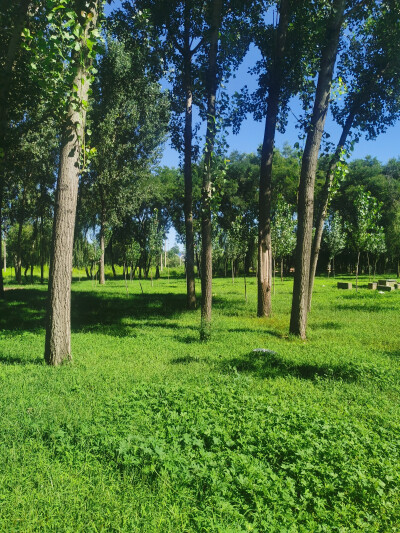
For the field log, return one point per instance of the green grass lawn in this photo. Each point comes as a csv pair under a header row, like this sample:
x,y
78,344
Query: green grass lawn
x,y
150,430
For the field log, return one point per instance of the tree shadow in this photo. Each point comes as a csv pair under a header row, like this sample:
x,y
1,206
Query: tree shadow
x,y
22,309
267,364
262,331
327,325
188,339
25,310
366,308
185,360
5,360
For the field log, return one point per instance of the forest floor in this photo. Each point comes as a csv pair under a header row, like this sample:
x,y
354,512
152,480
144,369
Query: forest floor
x,y
150,430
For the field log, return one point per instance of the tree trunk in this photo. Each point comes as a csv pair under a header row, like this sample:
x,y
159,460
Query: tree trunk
x,y
267,154
282,269
357,266
102,277
1,240
18,260
198,265
187,169
4,254
58,327
273,274
5,86
112,259
41,251
206,227
298,319
330,175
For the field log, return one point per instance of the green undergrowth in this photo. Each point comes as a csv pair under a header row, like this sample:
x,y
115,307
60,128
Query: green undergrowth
x,y
151,430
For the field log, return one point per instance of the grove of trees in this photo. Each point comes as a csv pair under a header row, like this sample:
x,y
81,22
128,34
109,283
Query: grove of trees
x,y
89,95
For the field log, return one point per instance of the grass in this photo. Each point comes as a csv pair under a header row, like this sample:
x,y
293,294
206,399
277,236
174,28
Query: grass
x,y
150,430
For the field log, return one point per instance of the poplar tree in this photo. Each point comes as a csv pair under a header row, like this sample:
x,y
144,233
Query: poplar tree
x,y
339,12
78,20
369,74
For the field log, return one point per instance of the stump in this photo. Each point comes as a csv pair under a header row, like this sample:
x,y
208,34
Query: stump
x,y
344,285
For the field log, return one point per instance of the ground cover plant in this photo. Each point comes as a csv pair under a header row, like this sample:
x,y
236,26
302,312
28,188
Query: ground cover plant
x,y
151,430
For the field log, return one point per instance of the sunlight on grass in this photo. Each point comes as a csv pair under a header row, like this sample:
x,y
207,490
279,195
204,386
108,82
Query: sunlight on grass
x,y
151,430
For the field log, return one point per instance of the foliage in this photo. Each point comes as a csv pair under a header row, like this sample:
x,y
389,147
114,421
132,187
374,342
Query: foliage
x,y
365,220
283,230
335,236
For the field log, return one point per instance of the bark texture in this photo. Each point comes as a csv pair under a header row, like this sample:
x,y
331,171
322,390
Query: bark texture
x,y
267,153
58,323
206,227
298,319
187,170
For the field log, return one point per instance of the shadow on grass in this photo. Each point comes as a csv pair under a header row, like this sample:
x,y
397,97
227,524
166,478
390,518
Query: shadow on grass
x,y
185,360
22,309
262,331
25,309
367,308
5,360
271,364
327,325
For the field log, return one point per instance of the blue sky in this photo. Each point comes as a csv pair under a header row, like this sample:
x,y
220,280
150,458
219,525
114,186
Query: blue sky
x,y
251,133
250,136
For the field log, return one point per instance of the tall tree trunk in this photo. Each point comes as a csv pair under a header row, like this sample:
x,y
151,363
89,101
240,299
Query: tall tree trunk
x,y
330,175
41,251
206,227
58,326
18,259
1,238
5,86
102,277
4,254
267,154
298,319
357,267
187,169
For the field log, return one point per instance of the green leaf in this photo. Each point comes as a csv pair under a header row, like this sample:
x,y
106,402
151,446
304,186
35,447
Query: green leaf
x,y
90,43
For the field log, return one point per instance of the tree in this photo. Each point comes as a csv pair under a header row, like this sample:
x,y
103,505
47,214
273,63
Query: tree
x,y
82,20
206,225
376,246
129,120
264,223
7,63
364,228
337,17
283,231
334,237
368,72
